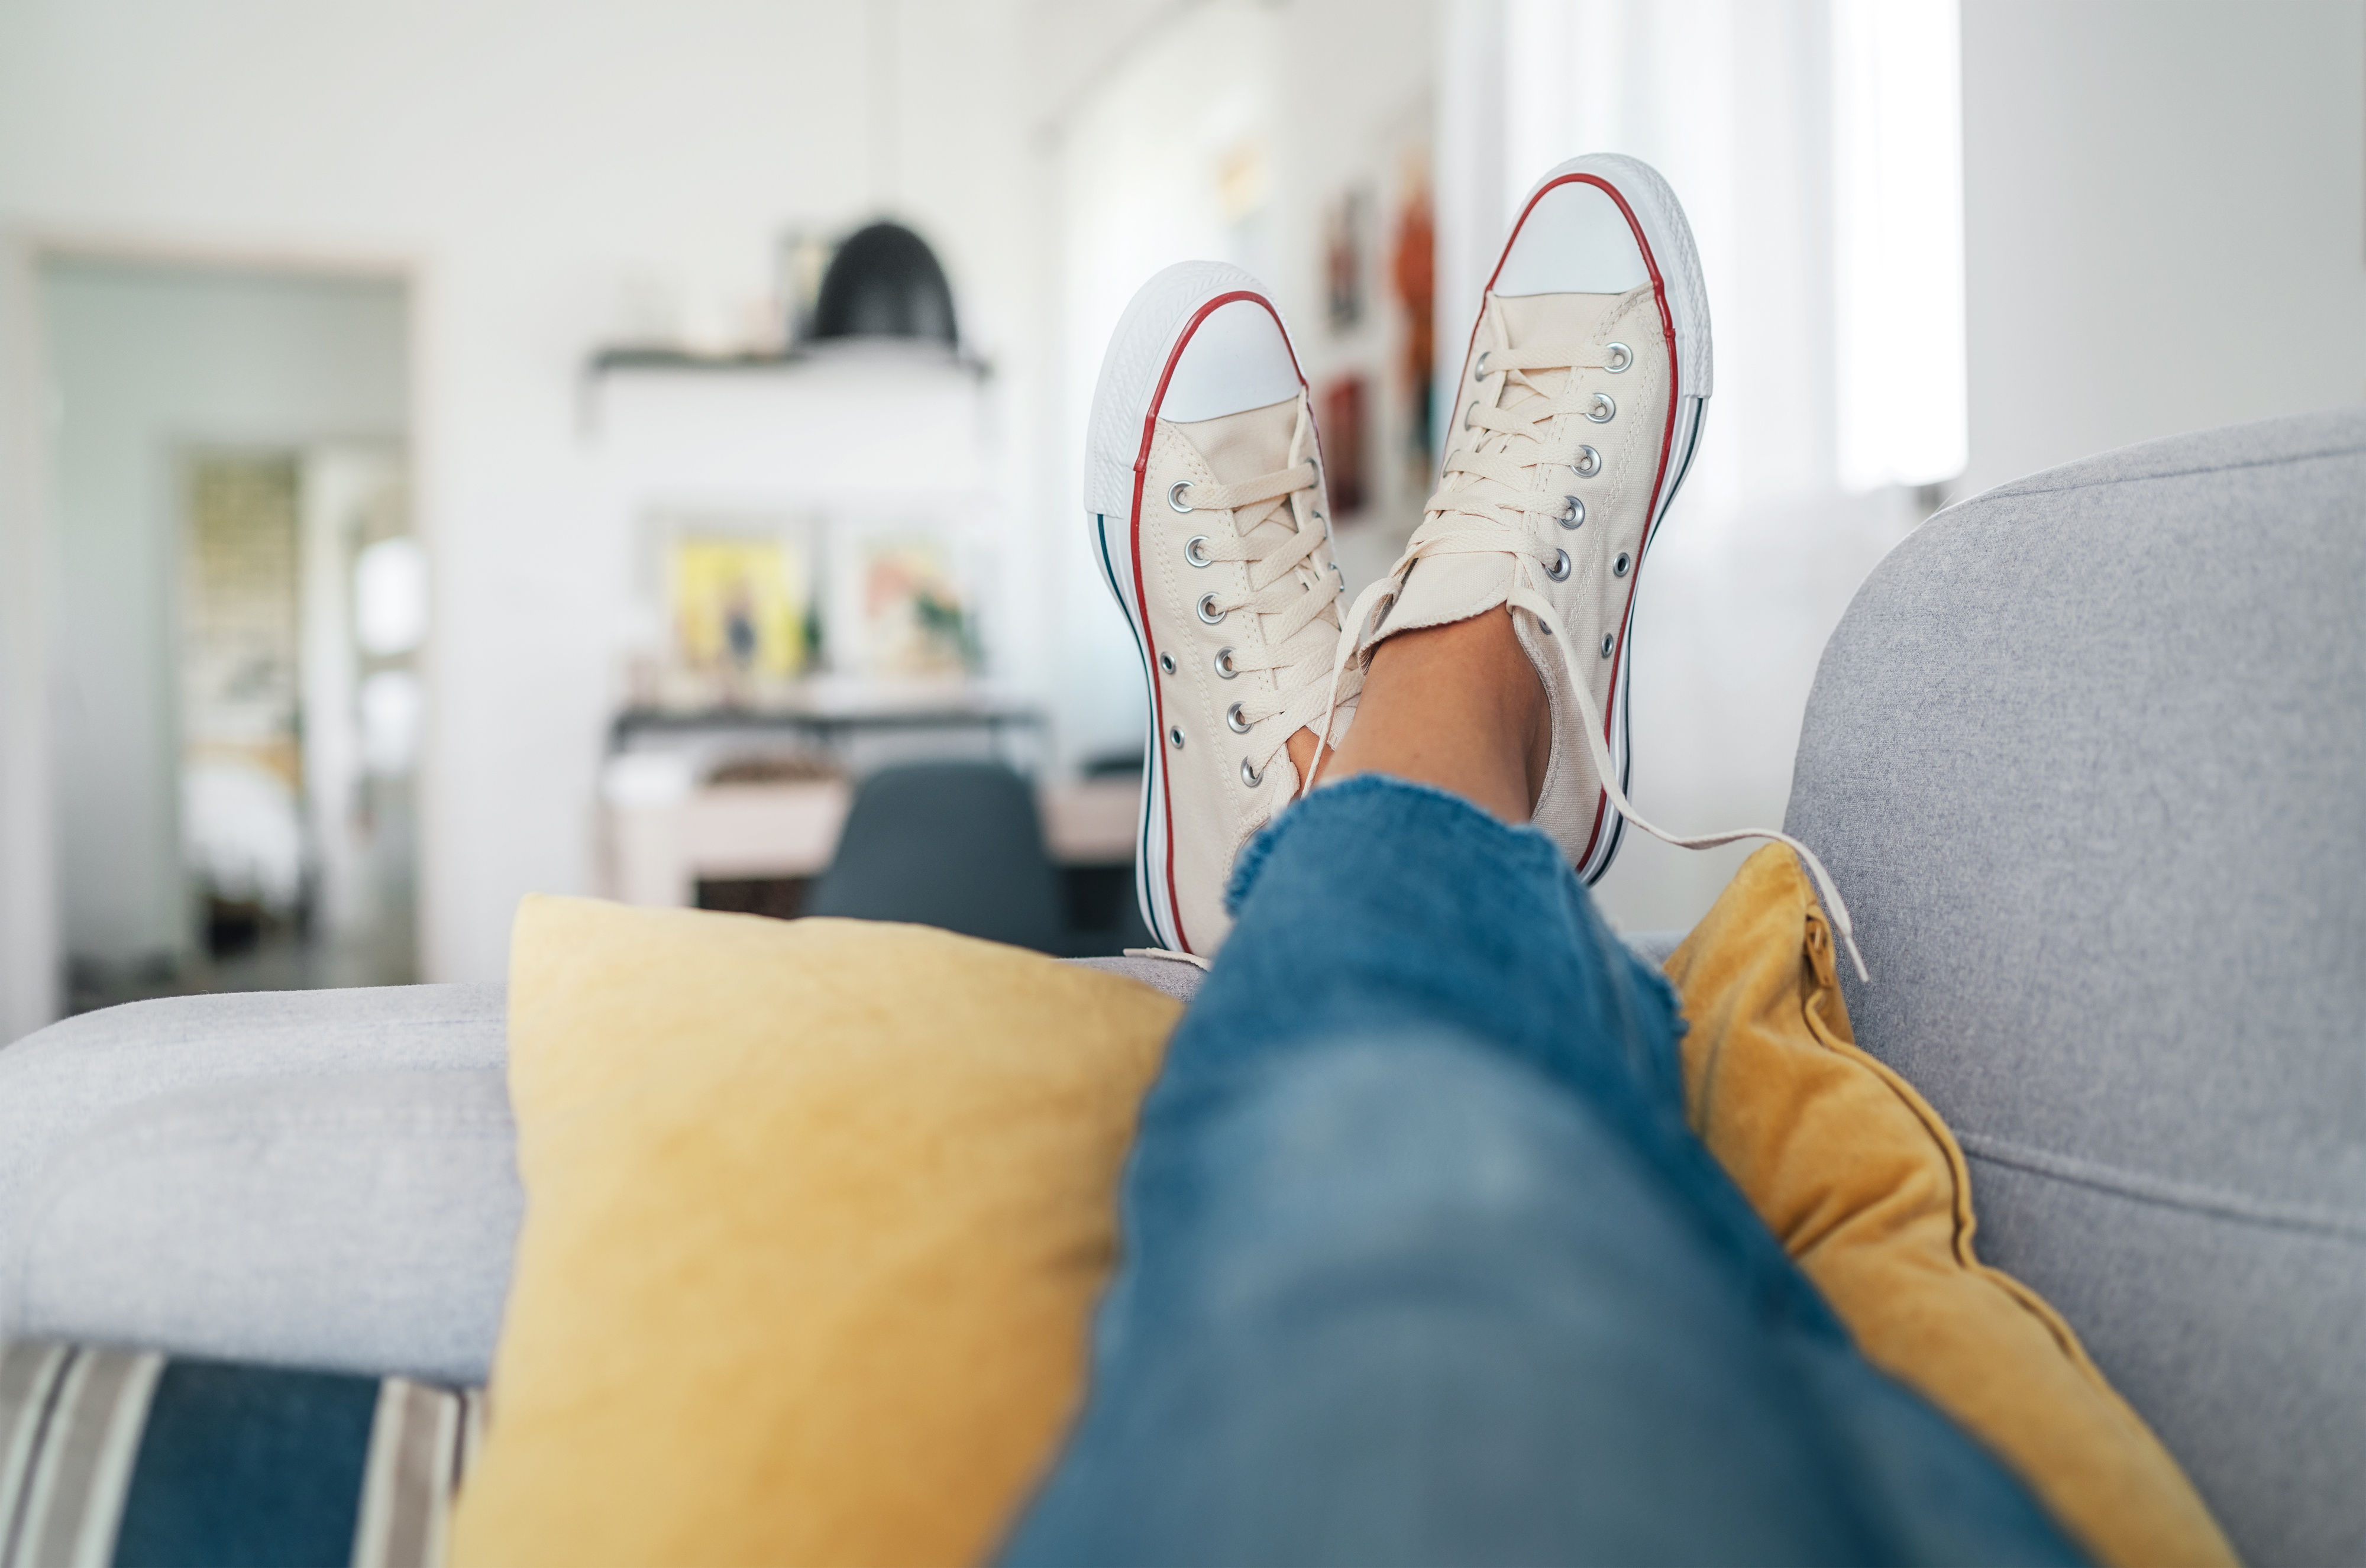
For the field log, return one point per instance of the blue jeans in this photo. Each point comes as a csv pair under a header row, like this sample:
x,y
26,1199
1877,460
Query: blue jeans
x,y
1423,1265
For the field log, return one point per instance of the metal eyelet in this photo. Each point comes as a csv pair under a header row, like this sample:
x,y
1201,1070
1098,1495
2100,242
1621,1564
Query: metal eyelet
x,y
1195,550
1175,495
1609,643
1468,415
1479,365
1618,568
1571,514
1620,355
1175,734
1588,464
1224,662
1604,408
1167,662
1233,719
1207,603
1559,571
1250,776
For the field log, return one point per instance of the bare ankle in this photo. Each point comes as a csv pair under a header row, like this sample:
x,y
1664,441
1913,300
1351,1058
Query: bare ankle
x,y
1457,706
1301,749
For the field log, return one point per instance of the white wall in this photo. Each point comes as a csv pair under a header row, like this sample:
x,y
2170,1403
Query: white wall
x,y
145,364
2165,220
551,175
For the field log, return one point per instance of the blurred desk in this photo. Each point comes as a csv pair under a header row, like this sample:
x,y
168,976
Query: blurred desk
x,y
830,718
666,834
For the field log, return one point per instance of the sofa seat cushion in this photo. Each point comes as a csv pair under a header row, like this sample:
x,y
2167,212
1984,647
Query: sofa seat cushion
x,y
360,1220
59,1084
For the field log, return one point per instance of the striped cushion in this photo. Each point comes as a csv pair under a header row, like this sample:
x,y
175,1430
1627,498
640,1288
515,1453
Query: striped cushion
x,y
131,1457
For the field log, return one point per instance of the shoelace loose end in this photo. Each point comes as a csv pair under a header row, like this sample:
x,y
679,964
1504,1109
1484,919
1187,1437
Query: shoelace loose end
x,y
1191,958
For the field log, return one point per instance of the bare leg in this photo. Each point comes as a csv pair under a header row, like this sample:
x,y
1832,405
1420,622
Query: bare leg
x,y
1456,706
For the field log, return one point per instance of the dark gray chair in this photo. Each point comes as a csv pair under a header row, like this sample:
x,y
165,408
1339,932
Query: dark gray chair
x,y
950,844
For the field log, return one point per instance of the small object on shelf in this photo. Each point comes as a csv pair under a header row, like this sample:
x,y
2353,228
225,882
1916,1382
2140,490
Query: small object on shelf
x,y
884,285
884,282
774,768
827,712
914,622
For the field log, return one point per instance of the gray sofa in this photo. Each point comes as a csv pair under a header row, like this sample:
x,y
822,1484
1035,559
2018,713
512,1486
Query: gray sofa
x,y
2088,755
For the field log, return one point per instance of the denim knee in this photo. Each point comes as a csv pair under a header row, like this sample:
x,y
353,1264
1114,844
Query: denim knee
x,y
1410,1164
1375,1144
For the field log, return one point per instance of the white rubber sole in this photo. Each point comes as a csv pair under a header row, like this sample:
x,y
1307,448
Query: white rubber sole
x,y
1154,889
1613,831
1658,220
1141,356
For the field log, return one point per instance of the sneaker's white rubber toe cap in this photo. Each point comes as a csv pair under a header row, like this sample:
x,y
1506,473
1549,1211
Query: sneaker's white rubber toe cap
x,y
1236,361
1235,357
1573,239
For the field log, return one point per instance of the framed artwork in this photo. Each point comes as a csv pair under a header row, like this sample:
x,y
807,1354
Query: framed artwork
x,y
739,609
1341,406
741,604
729,610
1412,272
1346,226
916,617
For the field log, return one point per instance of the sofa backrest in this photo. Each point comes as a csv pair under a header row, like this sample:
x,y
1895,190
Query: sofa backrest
x,y
2087,756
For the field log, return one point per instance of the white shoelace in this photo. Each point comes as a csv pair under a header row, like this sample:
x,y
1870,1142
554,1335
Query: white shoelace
x,y
1489,489
1171,955
1276,535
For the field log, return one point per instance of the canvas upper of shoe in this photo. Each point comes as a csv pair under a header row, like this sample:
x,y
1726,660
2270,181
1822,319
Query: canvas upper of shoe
x,y
1243,603
1578,411
1547,493
1222,558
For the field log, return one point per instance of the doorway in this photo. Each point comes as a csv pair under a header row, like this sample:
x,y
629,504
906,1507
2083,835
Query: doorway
x,y
238,608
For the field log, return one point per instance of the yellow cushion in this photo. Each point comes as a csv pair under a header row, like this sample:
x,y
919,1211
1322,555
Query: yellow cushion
x,y
817,1213
1868,1191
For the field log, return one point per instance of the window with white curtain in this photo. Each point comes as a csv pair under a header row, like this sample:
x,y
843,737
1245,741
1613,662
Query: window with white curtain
x,y
1818,147
1898,232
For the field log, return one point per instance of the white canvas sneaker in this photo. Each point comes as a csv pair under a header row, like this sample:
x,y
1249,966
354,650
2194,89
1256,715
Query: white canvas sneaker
x,y
1204,489
1576,417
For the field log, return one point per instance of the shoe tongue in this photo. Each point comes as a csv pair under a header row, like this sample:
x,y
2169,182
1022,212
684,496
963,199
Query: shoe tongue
x,y
1244,445
1534,319
1553,318
1439,589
